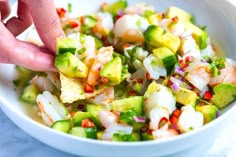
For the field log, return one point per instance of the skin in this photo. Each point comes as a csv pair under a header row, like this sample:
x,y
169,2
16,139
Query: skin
x,y
13,51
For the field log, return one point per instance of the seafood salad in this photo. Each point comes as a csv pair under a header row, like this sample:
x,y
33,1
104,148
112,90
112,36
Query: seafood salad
x,y
130,73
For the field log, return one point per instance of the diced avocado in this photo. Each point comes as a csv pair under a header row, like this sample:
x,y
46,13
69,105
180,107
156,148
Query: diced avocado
x,y
62,125
152,88
134,103
80,116
224,94
181,14
112,70
154,19
94,109
119,137
64,45
99,135
186,97
113,8
70,65
29,94
84,132
198,34
167,57
157,37
146,137
208,111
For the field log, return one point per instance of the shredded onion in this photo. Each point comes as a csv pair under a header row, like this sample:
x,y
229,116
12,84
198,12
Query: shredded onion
x,y
175,87
139,119
179,70
217,113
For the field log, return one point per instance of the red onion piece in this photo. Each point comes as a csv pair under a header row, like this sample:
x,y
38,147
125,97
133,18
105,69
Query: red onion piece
x,y
139,119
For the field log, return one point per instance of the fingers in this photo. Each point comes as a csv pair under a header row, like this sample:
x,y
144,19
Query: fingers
x,y
24,54
17,25
46,21
4,9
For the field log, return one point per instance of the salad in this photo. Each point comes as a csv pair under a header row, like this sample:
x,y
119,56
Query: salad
x,y
130,73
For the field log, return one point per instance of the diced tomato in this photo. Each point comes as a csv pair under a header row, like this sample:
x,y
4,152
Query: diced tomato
x,y
176,113
173,121
188,59
149,131
175,19
72,113
61,12
208,95
87,123
162,122
148,77
73,24
88,88
139,80
132,93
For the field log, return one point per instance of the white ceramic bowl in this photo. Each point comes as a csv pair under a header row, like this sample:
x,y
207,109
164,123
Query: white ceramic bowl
x,y
220,18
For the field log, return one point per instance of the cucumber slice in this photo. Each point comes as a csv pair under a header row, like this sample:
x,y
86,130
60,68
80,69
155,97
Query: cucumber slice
x,y
94,109
167,58
132,103
29,94
119,137
80,116
62,125
84,132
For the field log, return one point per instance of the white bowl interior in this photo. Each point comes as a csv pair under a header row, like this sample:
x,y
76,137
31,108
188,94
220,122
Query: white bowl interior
x,y
218,16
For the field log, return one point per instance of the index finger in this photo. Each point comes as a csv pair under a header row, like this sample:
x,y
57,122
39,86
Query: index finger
x,y
46,21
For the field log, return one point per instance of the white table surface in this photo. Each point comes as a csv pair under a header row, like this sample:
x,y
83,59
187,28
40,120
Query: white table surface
x,y
16,143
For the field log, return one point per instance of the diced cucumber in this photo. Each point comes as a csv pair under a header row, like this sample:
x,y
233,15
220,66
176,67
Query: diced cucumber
x,y
112,70
113,8
64,45
146,137
84,132
167,57
119,137
23,76
71,66
157,37
98,42
62,125
88,23
80,116
29,94
132,103
94,109
181,14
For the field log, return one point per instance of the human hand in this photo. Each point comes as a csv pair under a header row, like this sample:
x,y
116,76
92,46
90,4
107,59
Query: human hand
x,y
45,18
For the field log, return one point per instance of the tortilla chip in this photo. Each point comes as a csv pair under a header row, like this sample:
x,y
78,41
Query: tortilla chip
x,y
72,89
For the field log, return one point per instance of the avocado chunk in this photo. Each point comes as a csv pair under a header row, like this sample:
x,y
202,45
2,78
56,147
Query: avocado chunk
x,y
113,8
181,14
134,103
112,70
198,34
70,65
223,95
186,97
208,111
64,45
156,37
167,58
29,94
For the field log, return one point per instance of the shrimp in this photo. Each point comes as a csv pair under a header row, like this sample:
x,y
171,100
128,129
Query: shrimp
x,y
116,128
197,74
104,97
227,75
139,8
54,78
51,108
189,119
43,83
130,28
71,26
104,56
164,134
189,47
156,116
176,28
104,25
107,118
